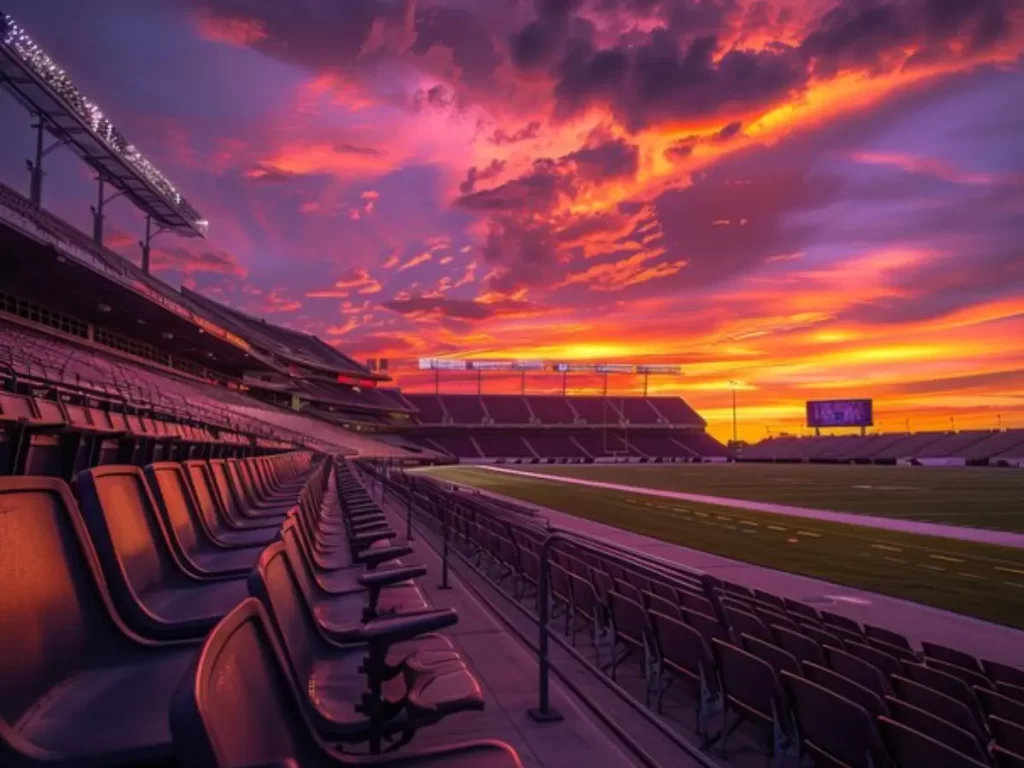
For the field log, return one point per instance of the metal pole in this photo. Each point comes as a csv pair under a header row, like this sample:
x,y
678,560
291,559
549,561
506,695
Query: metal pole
x,y
565,375
646,376
145,245
735,438
999,422
522,383
97,215
444,555
437,382
544,713
36,168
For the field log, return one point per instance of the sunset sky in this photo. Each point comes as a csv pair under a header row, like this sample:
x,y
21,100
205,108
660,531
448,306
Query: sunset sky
x,y
814,198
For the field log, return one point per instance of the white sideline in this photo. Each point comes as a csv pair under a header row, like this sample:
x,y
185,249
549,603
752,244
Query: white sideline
x,y
960,533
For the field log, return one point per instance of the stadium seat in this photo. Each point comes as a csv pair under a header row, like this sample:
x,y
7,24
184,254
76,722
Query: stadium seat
x,y
862,672
196,545
684,653
631,628
833,730
752,693
935,727
910,747
939,704
835,621
888,665
1004,758
209,493
801,647
970,676
745,623
226,479
239,708
247,495
950,656
77,687
1003,673
887,636
1014,692
420,684
993,703
849,689
779,659
1007,734
822,636
802,611
154,590
943,682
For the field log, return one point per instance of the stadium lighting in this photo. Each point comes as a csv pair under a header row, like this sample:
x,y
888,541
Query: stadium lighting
x,y
733,385
17,42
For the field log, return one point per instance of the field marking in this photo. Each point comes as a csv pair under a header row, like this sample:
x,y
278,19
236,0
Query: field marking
x,y
898,560
974,576
930,567
810,534
1009,570
938,530
1013,584
776,527
946,558
886,547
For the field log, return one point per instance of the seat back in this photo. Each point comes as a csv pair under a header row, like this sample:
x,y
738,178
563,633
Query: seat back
x,y
274,583
222,486
1007,734
911,747
55,611
176,502
628,618
939,704
200,481
993,703
684,648
50,411
779,659
870,701
1003,673
861,672
950,656
1004,758
239,707
239,484
834,728
798,644
127,532
935,727
750,683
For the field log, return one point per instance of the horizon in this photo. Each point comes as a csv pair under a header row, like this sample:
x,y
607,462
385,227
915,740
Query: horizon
x,y
779,196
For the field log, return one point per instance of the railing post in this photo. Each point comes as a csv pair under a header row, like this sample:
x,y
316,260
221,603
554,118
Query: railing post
x,y
544,712
446,526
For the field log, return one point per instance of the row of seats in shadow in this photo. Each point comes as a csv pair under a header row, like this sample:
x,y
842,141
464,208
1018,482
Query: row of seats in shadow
x,y
242,613
804,682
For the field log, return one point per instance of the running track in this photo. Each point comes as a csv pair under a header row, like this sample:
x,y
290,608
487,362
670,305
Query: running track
x,y
961,533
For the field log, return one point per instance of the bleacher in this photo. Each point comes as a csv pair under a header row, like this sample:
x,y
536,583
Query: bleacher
x,y
972,446
721,660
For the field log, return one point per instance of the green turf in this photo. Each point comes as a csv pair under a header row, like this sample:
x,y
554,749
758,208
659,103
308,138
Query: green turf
x,y
979,580
980,497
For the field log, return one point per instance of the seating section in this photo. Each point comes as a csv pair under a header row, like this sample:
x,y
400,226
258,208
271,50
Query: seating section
x,y
219,613
783,672
969,446
551,409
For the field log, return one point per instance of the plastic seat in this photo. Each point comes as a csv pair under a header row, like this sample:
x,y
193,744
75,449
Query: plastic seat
x,y
239,708
836,621
1014,692
236,508
744,623
867,699
631,628
833,729
799,645
662,605
971,677
939,704
861,672
1007,734
888,665
77,686
779,659
946,683
950,656
912,748
195,543
994,703
421,683
246,494
935,727
152,588
887,636
1004,758
683,651
209,497
1003,673
752,693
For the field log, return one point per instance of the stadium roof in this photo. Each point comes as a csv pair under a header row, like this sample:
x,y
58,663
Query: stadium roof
x,y
45,90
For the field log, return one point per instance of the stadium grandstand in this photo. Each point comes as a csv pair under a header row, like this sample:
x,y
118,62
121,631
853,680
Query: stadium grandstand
x,y
221,547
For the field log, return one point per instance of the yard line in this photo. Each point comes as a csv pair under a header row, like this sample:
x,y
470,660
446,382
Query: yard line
x,y
1010,570
775,527
886,547
930,567
974,576
898,560
947,559
811,534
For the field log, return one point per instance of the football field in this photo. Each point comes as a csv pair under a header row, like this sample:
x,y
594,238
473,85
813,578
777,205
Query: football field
x,y
982,580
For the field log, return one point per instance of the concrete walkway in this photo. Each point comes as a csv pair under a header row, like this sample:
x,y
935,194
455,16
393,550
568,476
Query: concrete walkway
x,y
961,533
915,621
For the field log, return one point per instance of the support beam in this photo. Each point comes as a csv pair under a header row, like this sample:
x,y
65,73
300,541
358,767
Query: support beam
x,y
147,243
35,167
98,215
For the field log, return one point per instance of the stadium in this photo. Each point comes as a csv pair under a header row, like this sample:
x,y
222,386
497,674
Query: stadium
x,y
225,541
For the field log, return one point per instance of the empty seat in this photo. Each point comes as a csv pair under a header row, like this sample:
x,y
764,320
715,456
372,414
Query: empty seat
x,y
683,651
867,699
950,656
935,727
822,635
840,622
887,636
153,590
76,685
752,693
1007,734
802,647
861,672
948,684
188,531
630,628
1014,692
1004,758
913,748
993,703
1003,673
939,704
970,676
240,708
801,610
744,623
833,729
779,659
887,664
209,497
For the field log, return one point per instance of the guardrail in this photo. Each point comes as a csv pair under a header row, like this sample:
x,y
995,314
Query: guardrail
x,y
414,502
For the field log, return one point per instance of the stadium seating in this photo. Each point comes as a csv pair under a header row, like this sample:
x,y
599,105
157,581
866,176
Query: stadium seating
x,y
789,672
464,409
555,445
551,409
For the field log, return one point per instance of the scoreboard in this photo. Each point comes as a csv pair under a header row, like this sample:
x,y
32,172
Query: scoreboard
x,y
840,413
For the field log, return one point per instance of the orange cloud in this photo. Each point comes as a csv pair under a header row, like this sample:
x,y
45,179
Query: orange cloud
x,y
416,261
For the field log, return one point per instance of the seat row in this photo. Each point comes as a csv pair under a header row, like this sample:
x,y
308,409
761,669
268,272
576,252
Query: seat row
x,y
217,613
809,680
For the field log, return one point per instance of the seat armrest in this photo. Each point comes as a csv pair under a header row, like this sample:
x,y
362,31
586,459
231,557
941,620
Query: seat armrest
x,y
371,558
384,632
378,579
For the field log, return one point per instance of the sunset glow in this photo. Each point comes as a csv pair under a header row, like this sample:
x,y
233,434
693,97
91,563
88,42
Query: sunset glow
x,y
778,194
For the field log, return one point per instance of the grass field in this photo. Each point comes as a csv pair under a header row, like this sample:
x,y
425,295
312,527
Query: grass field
x,y
981,497
979,580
